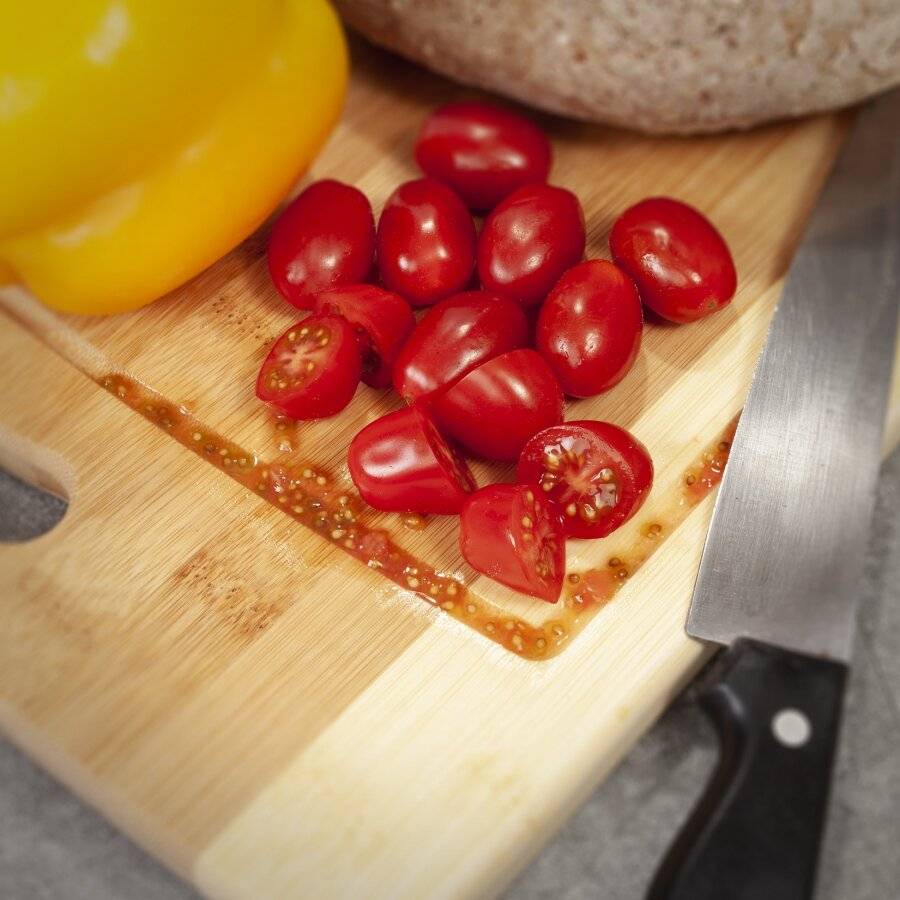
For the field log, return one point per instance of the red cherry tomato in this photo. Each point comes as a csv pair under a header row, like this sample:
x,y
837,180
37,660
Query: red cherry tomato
x,y
494,409
426,242
453,338
681,265
510,533
596,474
400,463
484,152
312,370
529,240
325,237
383,322
589,328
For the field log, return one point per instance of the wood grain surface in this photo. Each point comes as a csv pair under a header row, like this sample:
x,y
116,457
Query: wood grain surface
x,y
259,709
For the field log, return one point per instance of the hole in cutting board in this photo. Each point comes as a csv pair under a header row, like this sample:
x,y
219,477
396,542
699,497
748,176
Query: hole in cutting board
x,y
35,486
27,512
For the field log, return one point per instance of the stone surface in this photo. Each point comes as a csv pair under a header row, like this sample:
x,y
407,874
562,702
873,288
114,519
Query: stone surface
x,y
53,846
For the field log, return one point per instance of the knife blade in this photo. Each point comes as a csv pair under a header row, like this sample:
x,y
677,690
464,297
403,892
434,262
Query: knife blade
x,y
785,549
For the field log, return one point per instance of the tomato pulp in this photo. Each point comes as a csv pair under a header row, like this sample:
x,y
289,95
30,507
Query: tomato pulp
x,y
596,474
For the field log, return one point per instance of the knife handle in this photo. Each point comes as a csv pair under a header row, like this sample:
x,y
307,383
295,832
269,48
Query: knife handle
x,y
755,833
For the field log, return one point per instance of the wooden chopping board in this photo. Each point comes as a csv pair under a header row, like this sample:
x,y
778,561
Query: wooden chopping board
x,y
271,717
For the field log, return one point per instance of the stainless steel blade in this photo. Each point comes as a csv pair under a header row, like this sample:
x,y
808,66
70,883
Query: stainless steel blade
x,y
785,548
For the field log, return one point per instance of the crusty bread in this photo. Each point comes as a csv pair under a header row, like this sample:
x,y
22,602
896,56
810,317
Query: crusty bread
x,y
654,65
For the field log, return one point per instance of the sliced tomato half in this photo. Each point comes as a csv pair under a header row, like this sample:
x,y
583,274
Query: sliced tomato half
x,y
512,534
312,370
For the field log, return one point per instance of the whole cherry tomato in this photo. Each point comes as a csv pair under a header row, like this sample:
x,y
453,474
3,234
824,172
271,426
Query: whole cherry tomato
x,y
681,265
324,238
529,240
400,463
426,242
589,328
484,152
383,322
312,370
453,338
596,474
510,533
494,409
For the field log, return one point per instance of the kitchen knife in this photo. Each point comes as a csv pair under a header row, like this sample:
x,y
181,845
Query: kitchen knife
x,y
778,581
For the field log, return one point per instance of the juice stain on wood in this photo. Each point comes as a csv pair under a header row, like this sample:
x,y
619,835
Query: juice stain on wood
x,y
309,495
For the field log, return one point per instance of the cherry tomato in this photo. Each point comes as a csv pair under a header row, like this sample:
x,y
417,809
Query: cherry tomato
x,y
400,463
312,370
529,240
383,322
681,265
453,338
426,242
324,238
510,533
484,152
494,409
596,474
589,328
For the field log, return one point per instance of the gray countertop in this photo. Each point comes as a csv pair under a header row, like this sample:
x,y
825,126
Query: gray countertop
x,y
52,846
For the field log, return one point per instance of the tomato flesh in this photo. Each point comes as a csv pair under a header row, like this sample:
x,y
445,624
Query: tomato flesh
x,y
400,463
325,237
383,321
681,264
528,241
589,328
510,533
596,474
454,337
483,151
425,242
312,370
498,406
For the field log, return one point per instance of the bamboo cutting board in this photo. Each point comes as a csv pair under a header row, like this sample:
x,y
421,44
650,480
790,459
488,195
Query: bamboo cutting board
x,y
267,714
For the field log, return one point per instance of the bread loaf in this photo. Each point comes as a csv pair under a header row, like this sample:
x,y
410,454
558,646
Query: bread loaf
x,y
654,65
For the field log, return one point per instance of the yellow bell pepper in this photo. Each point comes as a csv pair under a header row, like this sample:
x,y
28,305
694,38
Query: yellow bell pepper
x,y
142,139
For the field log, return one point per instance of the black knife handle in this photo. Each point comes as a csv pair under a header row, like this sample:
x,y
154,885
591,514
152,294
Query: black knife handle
x,y
755,833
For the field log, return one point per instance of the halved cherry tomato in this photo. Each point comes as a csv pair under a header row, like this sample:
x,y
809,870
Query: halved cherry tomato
x,y
529,240
510,533
681,265
325,237
589,327
484,152
426,242
383,322
400,463
312,370
453,338
596,474
498,406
